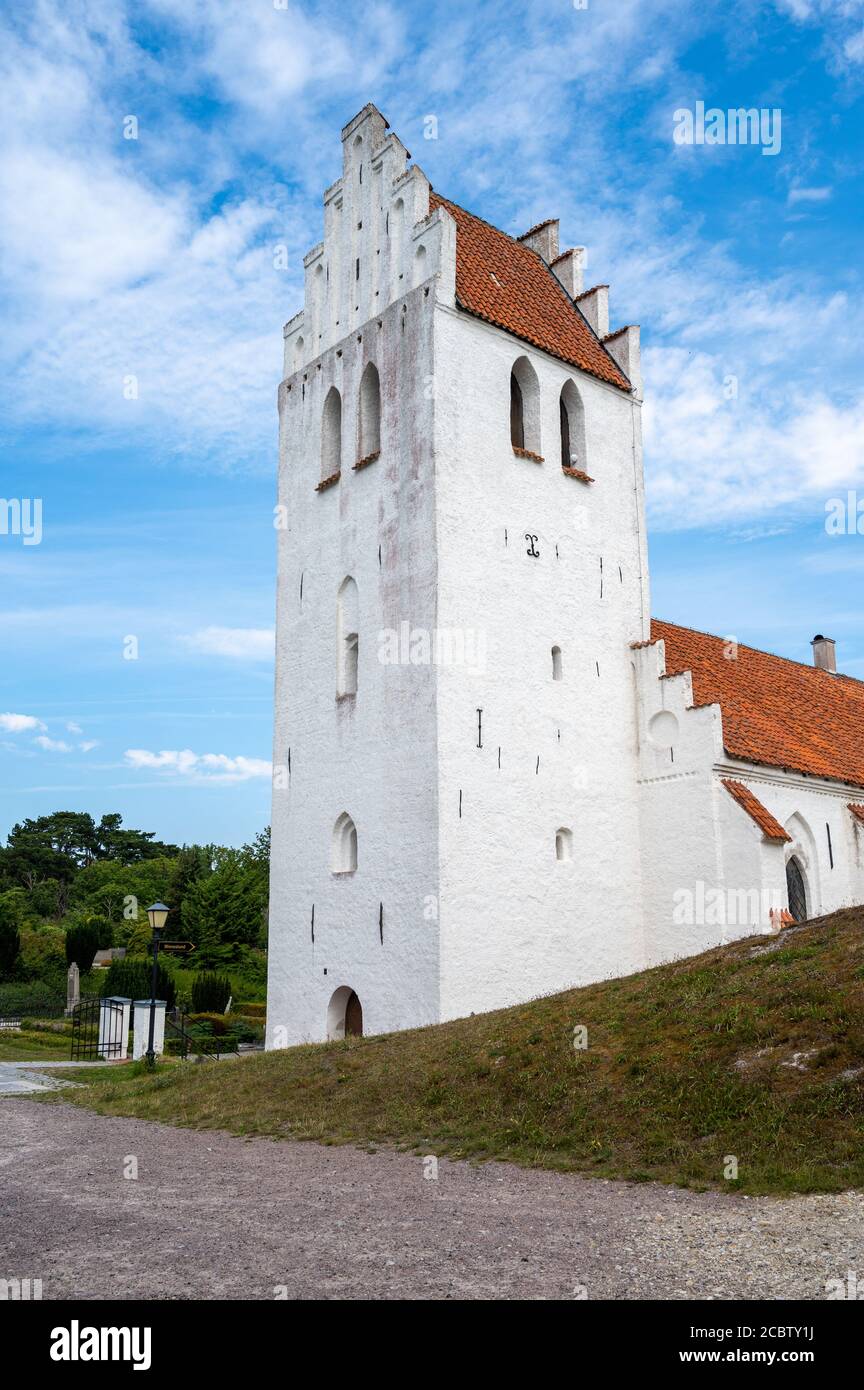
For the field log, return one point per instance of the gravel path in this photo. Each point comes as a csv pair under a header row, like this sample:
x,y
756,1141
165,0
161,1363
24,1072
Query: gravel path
x,y
210,1216
18,1078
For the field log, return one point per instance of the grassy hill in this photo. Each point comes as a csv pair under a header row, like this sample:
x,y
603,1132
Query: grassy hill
x,y
754,1050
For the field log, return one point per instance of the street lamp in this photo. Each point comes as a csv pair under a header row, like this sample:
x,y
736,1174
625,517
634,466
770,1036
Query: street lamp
x,y
158,915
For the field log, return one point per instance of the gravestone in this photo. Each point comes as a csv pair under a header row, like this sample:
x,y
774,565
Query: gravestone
x,y
73,987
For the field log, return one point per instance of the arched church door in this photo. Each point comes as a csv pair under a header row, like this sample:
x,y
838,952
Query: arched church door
x,y
796,891
353,1017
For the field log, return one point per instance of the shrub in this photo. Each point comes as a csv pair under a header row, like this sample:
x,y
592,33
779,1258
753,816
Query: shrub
x,y
130,979
215,1023
82,943
31,999
210,994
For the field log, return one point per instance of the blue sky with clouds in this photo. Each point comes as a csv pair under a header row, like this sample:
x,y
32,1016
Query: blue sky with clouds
x,y
143,309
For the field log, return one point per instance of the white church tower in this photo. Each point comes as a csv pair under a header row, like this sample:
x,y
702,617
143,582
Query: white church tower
x,y
462,574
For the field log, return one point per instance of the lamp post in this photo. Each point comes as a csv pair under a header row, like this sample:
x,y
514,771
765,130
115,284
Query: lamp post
x,y
158,914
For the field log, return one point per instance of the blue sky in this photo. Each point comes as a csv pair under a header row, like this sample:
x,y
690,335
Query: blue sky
x,y
143,314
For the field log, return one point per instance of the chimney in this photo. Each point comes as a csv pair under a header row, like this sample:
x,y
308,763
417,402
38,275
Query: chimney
x,y
824,653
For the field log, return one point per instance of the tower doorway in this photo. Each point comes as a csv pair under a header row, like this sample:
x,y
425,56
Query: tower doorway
x,y
796,891
344,1015
353,1017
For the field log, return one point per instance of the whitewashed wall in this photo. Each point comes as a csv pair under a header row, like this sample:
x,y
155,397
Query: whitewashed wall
x,y
514,921
698,841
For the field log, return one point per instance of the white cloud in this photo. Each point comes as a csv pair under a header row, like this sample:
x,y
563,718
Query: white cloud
x,y
808,195
206,767
100,229
718,459
52,745
73,728
19,723
88,745
853,48
242,643
263,56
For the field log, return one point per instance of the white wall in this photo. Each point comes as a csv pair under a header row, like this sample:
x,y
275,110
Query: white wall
x,y
699,846
514,922
372,756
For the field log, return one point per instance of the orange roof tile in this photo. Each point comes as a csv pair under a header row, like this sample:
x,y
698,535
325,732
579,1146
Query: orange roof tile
x,y
857,811
525,298
775,711
755,810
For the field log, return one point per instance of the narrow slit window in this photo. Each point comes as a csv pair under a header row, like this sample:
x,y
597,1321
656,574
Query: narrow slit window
x,y
350,658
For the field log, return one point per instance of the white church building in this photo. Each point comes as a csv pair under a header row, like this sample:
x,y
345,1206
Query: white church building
x,y
495,776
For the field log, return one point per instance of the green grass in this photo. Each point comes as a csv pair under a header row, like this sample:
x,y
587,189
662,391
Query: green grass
x,y
685,1064
30,1045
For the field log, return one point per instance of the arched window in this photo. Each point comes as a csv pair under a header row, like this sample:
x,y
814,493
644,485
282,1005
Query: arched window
x,y
370,412
396,220
563,844
420,271
343,854
557,665
517,414
331,434
347,642
525,407
796,890
572,414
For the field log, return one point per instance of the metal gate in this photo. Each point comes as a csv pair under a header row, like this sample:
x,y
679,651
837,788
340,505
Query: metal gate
x,y
97,1030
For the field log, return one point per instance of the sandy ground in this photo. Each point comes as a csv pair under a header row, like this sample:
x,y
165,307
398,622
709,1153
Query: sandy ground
x,y
210,1216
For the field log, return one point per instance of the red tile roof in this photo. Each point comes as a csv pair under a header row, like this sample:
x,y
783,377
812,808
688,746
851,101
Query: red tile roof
x,y
754,808
775,711
525,298
857,811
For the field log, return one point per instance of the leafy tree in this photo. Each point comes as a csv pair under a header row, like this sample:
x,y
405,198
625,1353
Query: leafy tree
x,y
226,908
59,845
50,898
129,846
121,892
32,854
194,862
10,937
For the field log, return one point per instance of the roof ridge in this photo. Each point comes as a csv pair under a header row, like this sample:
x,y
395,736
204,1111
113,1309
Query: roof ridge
x,y
760,651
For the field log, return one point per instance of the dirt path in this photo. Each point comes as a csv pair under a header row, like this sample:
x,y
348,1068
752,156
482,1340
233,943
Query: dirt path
x,y
213,1216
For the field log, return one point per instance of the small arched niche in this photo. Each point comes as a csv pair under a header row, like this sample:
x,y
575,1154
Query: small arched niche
x,y
563,844
557,664
343,853
347,637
